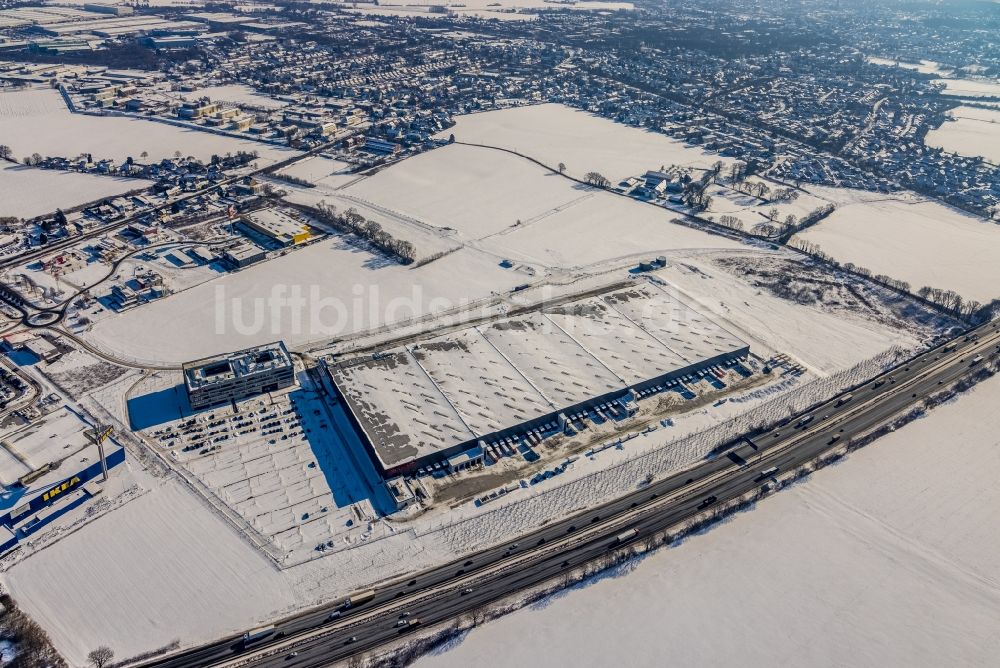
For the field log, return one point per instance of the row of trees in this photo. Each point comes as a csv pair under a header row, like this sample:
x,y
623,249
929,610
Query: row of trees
x,y
593,178
352,221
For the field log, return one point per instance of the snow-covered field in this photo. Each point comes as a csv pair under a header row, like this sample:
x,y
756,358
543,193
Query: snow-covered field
x,y
970,87
469,189
31,192
236,94
37,121
322,171
924,66
551,133
343,288
882,560
160,568
600,227
487,9
973,132
922,242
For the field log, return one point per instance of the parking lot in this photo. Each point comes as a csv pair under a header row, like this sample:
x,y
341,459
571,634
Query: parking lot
x,y
279,461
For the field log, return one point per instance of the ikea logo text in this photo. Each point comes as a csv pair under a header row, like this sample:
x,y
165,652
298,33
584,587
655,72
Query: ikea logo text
x,y
59,489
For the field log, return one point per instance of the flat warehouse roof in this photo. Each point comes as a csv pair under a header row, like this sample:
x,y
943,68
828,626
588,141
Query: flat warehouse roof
x,y
434,395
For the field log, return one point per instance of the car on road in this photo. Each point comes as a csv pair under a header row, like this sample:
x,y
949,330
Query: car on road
x,y
291,656
834,438
467,590
352,639
707,501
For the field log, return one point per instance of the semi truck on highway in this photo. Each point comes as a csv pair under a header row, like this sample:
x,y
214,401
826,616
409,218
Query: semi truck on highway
x,y
626,536
354,600
255,636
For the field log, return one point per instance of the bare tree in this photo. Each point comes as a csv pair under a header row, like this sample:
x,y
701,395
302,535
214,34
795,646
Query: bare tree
x,y
562,165
101,657
596,179
5,152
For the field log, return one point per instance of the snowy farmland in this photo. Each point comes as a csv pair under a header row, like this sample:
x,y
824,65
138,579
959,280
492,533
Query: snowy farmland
x,y
321,171
600,228
918,241
881,560
551,134
973,132
553,222
31,192
37,121
345,288
468,189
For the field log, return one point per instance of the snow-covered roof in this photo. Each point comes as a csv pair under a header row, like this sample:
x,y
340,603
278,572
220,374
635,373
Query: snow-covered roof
x,y
440,393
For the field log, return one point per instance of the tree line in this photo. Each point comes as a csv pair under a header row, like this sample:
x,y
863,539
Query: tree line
x,y
352,221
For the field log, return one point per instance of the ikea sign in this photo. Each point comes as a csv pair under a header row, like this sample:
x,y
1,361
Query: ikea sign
x,y
64,486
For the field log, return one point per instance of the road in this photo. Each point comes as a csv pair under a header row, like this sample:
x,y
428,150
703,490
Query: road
x,y
17,301
474,581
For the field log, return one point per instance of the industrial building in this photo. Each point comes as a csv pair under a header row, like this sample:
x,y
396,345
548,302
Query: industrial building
x,y
244,373
280,227
43,349
244,254
48,469
438,402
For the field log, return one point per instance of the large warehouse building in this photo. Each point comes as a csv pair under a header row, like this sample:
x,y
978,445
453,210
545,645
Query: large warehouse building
x,y
233,376
430,402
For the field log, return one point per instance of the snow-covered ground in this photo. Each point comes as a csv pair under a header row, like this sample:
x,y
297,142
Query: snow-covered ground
x,y
551,133
924,66
343,289
973,132
37,121
970,87
882,560
236,94
488,9
160,568
599,227
469,189
822,340
322,171
918,241
29,192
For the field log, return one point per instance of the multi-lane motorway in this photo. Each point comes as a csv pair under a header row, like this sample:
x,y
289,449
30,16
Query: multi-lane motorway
x,y
313,639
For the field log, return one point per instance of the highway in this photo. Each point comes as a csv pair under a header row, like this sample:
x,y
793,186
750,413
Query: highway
x,y
312,638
